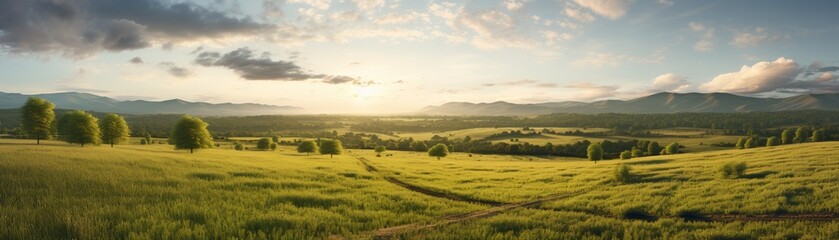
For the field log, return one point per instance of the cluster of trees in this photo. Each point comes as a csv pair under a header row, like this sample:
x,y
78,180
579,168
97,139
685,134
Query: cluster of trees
x,y
597,151
514,135
788,136
322,146
76,127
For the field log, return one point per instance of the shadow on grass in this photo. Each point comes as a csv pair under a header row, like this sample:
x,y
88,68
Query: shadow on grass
x,y
650,162
759,175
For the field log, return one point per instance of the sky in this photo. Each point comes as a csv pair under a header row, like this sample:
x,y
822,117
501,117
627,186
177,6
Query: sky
x,y
393,56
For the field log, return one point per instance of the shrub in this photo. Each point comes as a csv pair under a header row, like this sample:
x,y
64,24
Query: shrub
x,y
637,152
622,173
263,144
239,146
626,155
273,146
143,142
732,170
673,148
773,141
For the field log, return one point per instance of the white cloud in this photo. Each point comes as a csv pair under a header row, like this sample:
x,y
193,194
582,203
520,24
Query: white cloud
x,y
665,2
758,78
614,60
748,39
400,18
590,91
513,5
670,82
319,4
578,15
613,9
368,5
705,43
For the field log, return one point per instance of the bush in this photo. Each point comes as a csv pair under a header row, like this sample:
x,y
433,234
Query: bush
x,y
263,144
732,170
273,146
626,155
143,142
239,146
637,152
622,173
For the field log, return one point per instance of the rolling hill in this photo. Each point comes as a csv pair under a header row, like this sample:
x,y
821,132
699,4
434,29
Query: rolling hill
x,y
90,102
657,103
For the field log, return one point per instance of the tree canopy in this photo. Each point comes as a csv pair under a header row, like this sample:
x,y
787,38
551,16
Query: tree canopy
x,y
263,144
440,150
114,129
79,127
594,152
191,133
331,147
37,117
307,147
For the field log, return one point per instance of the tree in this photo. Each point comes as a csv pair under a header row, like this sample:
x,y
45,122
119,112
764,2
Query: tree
x,y
331,147
594,152
307,147
818,136
148,138
622,173
673,148
275,138
773,141
626,155
143,141
79,127
273,146
263,144
191,133
800,135
637,152
750,143
440,150
380,149
787,136
732,169
741,143
653,148
239,146
37,117
420,147
114,129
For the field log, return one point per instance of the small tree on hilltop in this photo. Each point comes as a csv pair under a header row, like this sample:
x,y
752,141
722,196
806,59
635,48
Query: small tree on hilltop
x,y
263,144
626,155
594,152
653,148
787,136
673,148
741,143
773,141
331,147
36,118
818,136
79,127
440,150
191,133
114,129
307,147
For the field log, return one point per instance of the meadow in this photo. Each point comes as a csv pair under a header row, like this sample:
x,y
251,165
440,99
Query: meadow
x,y
61,191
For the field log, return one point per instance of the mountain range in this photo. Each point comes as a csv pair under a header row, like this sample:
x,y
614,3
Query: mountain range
x,y
90,102
663,102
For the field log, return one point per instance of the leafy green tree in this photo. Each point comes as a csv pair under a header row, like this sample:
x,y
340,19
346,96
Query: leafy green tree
x,y
273,146
594,152
143,141
37,117
275,138
440,150
801,135
732,169
79,127
191,133
239,146
380,149
626,155
637,152
750,143
148,138
773,141
331,147
673,148
622,173
787,136
653,148
307,147
263,144
420,147
818,136
114,129
741,143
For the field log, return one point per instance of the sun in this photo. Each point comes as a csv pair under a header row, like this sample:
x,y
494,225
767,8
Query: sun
x,y
366,92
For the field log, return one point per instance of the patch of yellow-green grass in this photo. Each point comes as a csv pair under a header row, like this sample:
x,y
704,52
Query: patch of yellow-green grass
x,y
60,191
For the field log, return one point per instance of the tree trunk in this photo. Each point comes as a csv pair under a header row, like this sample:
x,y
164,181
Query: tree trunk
x,y
38,139
190,150
438,158
112,143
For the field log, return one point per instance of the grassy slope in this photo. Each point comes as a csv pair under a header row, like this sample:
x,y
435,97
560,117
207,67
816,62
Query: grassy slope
x,y
61,191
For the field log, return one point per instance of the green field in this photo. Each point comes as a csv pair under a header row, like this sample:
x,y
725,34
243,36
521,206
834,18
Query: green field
x,y
56,190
